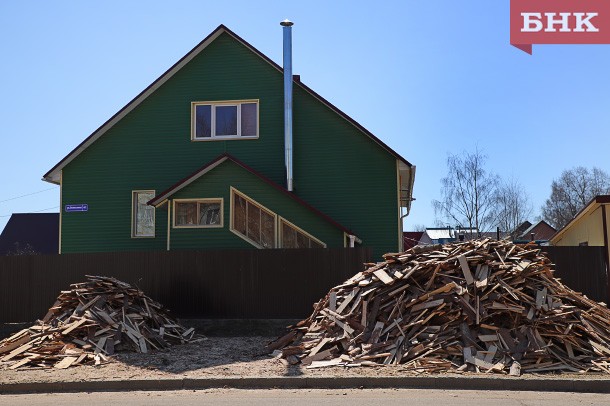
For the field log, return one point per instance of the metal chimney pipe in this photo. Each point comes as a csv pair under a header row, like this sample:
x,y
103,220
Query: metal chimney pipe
x,y
287,28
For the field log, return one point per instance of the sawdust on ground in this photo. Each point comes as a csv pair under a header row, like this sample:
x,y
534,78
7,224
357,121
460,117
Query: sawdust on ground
x,y
215,357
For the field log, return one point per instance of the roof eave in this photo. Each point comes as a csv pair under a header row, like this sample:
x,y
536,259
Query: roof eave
x,y
53,173
597,200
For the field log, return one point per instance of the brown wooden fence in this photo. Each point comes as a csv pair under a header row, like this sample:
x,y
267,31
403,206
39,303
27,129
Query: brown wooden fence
x,y
583,269
244,284
248,284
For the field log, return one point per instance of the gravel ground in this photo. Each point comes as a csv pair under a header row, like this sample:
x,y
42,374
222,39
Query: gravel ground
x,y
213,357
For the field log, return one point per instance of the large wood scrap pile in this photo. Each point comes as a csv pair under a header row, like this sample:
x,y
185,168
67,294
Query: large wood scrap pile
x,y
484,306
91,321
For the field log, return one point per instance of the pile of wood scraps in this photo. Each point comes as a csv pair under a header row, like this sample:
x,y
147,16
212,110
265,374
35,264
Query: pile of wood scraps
x,y
92,321
480,306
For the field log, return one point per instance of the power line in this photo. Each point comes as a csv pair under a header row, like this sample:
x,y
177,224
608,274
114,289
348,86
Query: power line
x,y
29,194
35,211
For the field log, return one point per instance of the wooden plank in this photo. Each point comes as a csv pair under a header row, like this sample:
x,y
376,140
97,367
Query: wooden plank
x,y
10,346
318,347
347,300
483,275
383,276
74,326
364,312
90,303
332,301
491,353
100,345
319,356
23,362
65,363
18,335
322,364
143,346
16,352
569,349
187,332
427,305
80,359
602,349
466,269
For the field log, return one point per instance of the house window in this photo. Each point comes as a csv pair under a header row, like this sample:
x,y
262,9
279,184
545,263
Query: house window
x,y
200,213
292,236
222,120
252,221
142,215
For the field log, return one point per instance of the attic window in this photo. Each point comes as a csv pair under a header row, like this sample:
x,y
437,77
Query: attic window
x,y
292,236
252,221
222,120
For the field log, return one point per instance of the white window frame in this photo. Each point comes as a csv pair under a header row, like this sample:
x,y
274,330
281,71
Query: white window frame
x,y
133,217
214,104
260,206
299,229
220,200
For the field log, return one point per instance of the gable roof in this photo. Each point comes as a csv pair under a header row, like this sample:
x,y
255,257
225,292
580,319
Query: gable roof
x,y
542,231
592,205
163,196
518,231
36,232
52,175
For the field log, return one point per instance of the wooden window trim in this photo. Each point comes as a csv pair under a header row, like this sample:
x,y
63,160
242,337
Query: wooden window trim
x,y
260,206
213,120
299,229
133,222
203,200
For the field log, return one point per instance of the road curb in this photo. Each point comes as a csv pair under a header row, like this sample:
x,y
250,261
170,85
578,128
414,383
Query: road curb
x,y
427,382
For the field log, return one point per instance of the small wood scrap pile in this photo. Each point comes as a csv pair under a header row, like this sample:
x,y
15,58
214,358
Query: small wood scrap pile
x,y
92,321
480,306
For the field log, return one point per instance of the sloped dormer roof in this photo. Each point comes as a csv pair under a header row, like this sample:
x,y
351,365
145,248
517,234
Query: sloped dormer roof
x,y
162,197
53,174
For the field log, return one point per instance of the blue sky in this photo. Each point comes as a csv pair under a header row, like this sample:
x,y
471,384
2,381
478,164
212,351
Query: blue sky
x,y
427,77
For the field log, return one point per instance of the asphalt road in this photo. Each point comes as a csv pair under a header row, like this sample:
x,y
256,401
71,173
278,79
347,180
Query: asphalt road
x,y
311,397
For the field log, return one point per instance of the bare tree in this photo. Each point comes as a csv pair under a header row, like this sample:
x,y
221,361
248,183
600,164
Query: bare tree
x,y
467,193
513,206
418,227
17,249
571,192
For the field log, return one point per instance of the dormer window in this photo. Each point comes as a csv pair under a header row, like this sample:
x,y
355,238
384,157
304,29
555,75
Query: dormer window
x,y
224,120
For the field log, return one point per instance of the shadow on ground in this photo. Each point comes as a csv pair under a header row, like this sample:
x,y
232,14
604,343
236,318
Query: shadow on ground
x,y
227,347
225,343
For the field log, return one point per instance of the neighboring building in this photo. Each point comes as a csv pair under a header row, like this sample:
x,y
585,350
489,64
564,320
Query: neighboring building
x,y
30,233
411,238
202,159
518,232
443,235
540,232
589,227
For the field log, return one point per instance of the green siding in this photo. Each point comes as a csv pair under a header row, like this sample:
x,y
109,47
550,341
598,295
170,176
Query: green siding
x,y
343,173
337,168
217,183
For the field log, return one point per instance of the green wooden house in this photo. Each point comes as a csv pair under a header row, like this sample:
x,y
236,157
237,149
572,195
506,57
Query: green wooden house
x,y
229,150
